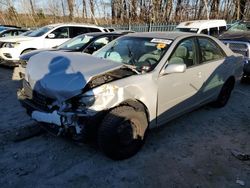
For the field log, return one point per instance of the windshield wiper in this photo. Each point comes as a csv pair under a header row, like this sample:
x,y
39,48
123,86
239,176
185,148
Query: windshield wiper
x,y
132,67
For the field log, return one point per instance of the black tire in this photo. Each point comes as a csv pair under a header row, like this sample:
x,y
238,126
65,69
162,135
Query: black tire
x,y
122,132
225,94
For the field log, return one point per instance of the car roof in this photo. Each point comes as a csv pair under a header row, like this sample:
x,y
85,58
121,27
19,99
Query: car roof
x,y
73,24
172,35
97,34
202,24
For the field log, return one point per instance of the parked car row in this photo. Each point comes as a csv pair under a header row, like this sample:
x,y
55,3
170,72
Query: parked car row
x,y
45,37
85,43
114,87
237,38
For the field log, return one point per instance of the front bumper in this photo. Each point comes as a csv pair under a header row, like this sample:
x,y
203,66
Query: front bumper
x,y
81,128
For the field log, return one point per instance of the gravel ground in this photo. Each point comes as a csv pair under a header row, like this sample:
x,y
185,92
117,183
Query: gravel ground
x,y
191,151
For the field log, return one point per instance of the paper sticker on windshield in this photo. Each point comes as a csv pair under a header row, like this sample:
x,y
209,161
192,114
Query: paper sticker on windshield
x,y
164,41
161,45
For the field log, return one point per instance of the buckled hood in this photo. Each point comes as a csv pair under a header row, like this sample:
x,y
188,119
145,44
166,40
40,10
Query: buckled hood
x,y
62,75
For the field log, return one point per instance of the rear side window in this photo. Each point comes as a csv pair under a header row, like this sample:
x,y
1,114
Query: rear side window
x,y
111,29
214,31
75,31
222,29
204,31
94,30
209,50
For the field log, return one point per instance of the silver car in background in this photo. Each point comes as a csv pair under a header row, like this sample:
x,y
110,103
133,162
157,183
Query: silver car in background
x,y
137,82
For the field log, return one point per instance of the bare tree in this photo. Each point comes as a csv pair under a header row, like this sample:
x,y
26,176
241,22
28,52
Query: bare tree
x,y
84,9
71,9
32,7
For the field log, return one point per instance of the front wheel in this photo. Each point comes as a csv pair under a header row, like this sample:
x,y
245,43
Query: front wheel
x,y
122,132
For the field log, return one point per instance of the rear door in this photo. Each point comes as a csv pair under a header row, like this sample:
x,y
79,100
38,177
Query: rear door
x,y
75,31
213,65
180,92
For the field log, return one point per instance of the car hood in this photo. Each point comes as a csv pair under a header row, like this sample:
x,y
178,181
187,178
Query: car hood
x,y
28,55
16,39
62,75
239,36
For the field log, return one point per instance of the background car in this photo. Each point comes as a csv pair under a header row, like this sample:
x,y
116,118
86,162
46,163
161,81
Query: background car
x,y
136,82
208,27
237,38
45,37
86,43
12,32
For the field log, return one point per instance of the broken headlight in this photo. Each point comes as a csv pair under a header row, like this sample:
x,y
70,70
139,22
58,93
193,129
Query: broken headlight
x,y
99,98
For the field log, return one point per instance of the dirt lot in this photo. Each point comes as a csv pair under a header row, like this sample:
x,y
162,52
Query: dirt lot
x,y
191,151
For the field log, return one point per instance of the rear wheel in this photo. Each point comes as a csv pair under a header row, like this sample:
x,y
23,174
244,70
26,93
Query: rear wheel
x,y
225,94
122,132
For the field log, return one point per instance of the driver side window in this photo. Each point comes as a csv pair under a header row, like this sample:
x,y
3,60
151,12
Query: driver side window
x,y
60,33
184,53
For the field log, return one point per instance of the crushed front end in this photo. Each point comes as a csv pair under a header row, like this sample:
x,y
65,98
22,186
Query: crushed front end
x,y
67,118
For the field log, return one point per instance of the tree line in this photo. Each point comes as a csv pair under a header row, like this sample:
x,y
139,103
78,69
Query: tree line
x,y
32,13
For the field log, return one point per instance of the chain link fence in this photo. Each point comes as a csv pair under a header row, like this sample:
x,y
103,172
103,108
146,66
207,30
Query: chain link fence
x,y
148,27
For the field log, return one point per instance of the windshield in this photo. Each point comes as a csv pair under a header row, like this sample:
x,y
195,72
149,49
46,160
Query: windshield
x,y
26,33
136,51
39,32
192,30
240,26
75,43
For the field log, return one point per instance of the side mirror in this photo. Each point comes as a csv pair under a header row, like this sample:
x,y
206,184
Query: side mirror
x,y
51,36
174,68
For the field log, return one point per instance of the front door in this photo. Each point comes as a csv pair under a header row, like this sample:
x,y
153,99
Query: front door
x,y
56,37
180,92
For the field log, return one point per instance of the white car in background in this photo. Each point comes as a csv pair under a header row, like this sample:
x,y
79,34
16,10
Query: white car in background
x,y
46,37
208,27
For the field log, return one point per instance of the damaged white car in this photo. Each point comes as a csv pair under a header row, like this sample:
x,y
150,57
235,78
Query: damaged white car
x,y
139,81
